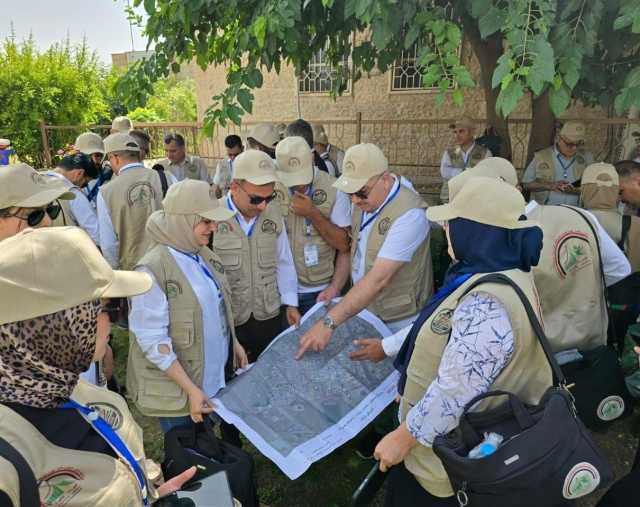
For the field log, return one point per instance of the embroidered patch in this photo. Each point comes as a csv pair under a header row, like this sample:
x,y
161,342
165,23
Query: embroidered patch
x,y
348,167
265,165
279,195
543,166
610,408
59,486
384,225
269,226
571,253
109,413
140,195
581,480
217,265
294,162
223,227
441,323
173,288
319,197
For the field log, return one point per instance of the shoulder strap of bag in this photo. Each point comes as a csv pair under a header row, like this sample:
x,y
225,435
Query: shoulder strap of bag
x,y
533,319
163,179
626,225
28,487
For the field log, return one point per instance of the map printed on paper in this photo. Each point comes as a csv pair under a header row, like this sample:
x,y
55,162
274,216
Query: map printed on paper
x,y
296,412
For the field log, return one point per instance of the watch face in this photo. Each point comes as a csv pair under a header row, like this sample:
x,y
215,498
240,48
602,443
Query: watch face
x,y
328,322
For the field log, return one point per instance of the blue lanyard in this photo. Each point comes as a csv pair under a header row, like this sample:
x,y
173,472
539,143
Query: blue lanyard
x,y
375,215
307,222
565,169
204,269
238,219
105,430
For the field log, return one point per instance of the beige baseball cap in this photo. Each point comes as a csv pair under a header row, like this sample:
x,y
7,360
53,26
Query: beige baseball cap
x,y
195,197
89,143
489,201
492,167
601,174
319,135
50,269
361,162
120,142
573,131
255,166
5,142
121,124
24,187
294,162
463,123
265,133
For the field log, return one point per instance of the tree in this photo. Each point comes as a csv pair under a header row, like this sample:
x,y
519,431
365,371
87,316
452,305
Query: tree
x,y
556,50
172,100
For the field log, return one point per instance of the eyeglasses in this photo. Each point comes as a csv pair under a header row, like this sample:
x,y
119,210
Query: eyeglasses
x,y
571,145
36,216
364,192
255,200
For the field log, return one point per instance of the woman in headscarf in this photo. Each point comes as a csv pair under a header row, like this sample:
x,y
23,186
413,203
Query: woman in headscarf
x,y
183,346
80,441
463,345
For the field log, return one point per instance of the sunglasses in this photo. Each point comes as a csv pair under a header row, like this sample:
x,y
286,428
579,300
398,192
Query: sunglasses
x,y
571,145
364,192
36,216
255,200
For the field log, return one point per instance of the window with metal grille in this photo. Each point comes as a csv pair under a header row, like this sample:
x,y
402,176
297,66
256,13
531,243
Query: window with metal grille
x,y
320,76
407,74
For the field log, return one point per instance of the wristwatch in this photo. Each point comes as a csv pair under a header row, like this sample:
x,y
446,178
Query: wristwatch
x,y
329,323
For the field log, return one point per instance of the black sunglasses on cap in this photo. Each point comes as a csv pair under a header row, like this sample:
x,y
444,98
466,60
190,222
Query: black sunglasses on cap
x,y
36,216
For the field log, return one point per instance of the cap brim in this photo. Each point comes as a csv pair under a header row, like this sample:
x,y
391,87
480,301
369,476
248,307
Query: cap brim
x,y
128,283
349,185
295,179
446,212
45,197
91,151
218,214
262,179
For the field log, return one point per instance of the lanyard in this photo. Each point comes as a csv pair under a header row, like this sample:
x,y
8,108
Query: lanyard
x,y
307,222
105,430
250,231
204,269
565,169
375,215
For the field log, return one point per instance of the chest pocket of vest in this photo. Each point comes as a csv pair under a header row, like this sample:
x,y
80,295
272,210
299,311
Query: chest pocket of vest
x,y
229,253
267,254
182,333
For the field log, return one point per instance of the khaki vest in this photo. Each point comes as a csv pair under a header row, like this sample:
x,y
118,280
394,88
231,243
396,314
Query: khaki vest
x,y
569,280
153,392
336,156
73,478
477,154
193,168
527,374
545,169
632,246
323,197
131,197
412,284
251,263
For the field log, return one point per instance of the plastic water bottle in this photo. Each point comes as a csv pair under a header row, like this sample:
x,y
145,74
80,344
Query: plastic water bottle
x,y
487,447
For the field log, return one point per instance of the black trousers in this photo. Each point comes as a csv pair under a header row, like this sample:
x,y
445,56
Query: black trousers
x,y
403,490
255,335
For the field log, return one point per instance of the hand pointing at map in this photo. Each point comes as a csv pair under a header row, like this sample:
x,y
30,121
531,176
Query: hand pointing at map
x,y
316,339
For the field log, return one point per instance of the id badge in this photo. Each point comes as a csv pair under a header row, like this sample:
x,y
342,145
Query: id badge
x,y
311,257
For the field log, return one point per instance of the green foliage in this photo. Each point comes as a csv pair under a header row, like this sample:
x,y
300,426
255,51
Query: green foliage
x,y
171,101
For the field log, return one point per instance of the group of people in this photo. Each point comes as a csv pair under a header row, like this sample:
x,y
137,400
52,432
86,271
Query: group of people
x,y
209,269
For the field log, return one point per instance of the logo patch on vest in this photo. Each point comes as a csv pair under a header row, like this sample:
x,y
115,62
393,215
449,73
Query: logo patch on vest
x,y
109,413
319,197
384,225
571,251
140,194
60,486
581,480
441,323
543,166
217,265
610,408
174,289
279,195
269,226
223,227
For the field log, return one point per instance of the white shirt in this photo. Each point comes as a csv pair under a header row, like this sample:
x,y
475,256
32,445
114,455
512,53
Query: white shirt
x,y
109,243
448,171
149,320
286,276
83,212
178,169
341,216
614,263
222,177
404,237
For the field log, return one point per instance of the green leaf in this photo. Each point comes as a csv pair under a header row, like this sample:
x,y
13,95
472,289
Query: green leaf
x,y
535,83
327,3
412,35
622,22
508,98
454,34
175,67
506,81
491,22
571,77
457,97
463,77
149,6
505,64
543,63
260,30
256,78
479,7
559,99
245,97
234,113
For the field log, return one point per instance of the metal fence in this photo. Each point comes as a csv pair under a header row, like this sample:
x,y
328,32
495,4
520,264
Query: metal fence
x,y
414,147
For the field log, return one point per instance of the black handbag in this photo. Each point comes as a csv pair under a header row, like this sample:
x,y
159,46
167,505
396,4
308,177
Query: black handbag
x,y
198,445
547,457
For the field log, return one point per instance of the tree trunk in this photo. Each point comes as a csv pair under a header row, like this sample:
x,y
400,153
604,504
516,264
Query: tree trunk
x,y
488,51
542,125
